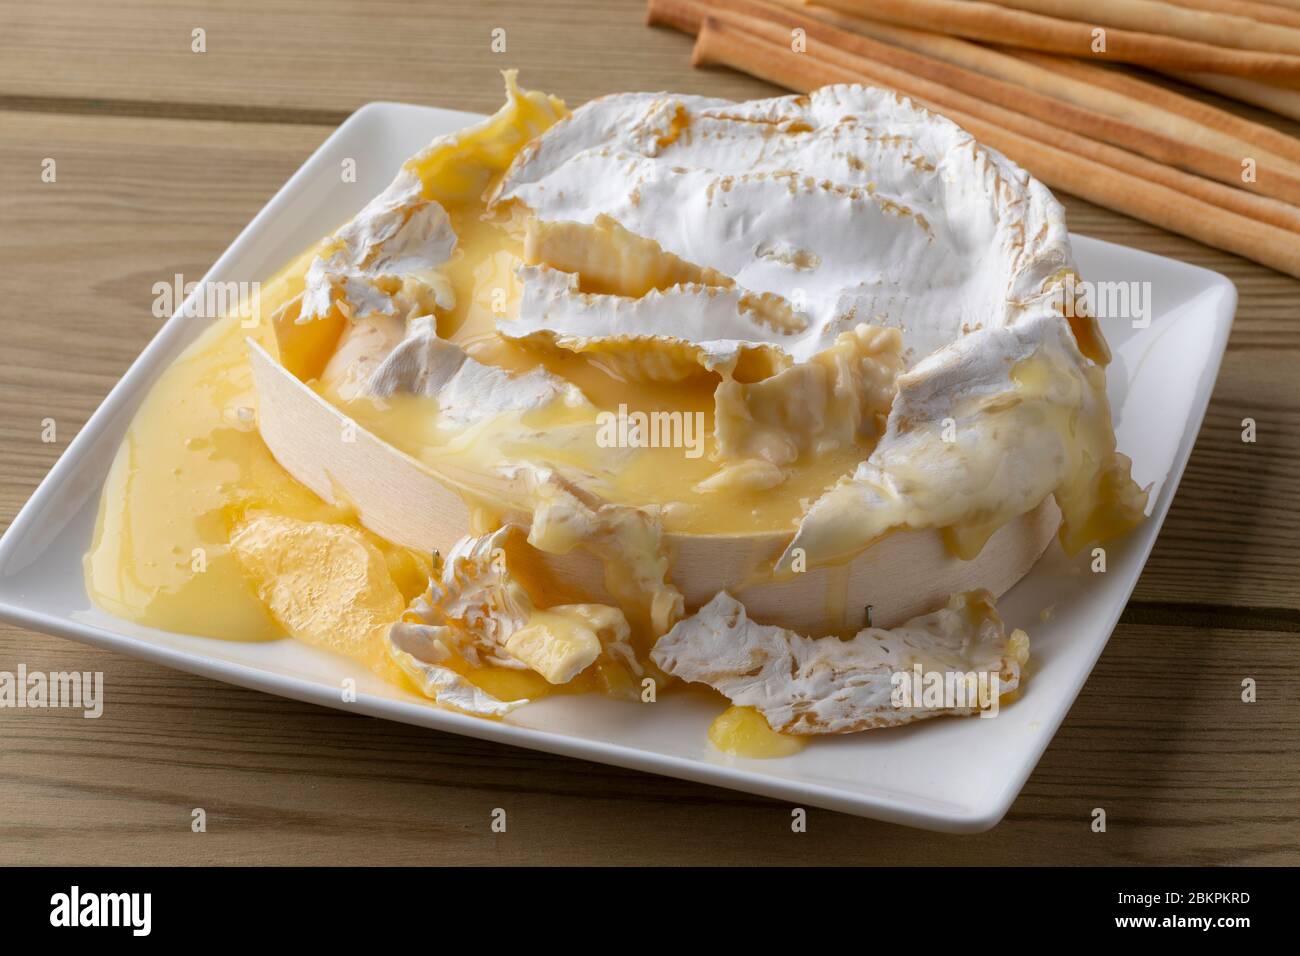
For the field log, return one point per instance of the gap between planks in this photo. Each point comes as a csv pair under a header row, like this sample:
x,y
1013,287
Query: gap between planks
x,y
1284,620
150,109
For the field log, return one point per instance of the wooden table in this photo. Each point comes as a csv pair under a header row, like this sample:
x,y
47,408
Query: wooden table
x,y
163,155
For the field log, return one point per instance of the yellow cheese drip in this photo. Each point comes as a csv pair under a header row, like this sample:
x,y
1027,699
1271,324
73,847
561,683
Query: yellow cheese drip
x,y
744,732
189,468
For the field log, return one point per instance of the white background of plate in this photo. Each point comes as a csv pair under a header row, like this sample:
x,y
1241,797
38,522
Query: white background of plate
x,y
956,775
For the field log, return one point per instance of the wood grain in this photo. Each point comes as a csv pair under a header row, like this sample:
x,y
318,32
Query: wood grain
x,y
159,166
1159,739
335,55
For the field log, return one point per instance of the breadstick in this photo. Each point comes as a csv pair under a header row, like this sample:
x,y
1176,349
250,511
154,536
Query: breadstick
x,y
684,15
1263,12
1063,169
1289,4
997,24
1279,100
1152,16
1278,180
1234,133
1135,101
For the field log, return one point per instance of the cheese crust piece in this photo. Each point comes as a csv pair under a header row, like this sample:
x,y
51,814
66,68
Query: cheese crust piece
x,y
383,260
467,392
476,609
826,685
981,432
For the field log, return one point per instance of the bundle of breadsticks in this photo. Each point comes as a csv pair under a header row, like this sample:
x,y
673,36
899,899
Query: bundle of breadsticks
x,y
1034,91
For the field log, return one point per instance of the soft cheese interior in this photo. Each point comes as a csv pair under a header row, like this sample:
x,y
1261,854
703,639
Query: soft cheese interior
x,y
824,317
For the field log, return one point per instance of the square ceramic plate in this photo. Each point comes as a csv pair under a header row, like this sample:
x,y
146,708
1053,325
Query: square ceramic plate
x,y
956,775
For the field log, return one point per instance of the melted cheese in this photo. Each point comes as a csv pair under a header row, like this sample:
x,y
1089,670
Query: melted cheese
x,y
479,610
325,583
759,274
979,433
486,290
189,472
743,732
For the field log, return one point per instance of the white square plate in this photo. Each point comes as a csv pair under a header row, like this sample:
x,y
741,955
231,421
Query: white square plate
x,y
956,775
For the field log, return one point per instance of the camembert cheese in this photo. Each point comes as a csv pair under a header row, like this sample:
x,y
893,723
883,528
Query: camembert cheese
x,y
814,322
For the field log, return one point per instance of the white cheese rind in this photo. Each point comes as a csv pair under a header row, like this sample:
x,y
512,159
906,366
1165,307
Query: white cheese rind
x,y
419,655
851,202
385,258
477,609
979,433
715,324
467,392
854,206
472,605
826,685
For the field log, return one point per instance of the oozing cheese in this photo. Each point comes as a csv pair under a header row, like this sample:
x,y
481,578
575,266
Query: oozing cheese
x,y
744,732
658,315
479,611
190,471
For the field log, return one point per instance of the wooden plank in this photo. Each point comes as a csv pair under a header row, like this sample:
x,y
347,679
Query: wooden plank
x,y
1230,537
332,56
135,202
316,60
1159,738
